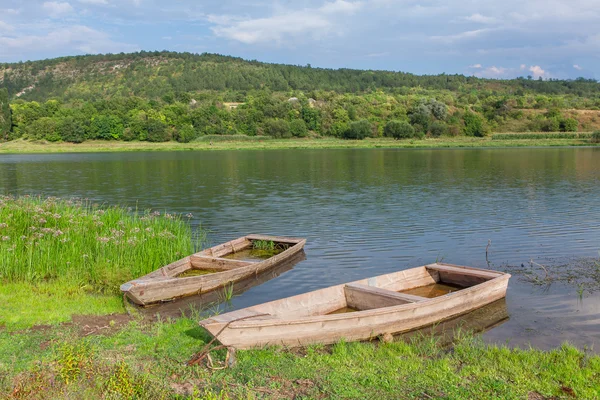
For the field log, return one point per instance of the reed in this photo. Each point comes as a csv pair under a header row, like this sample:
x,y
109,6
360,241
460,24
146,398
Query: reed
x,y
95,248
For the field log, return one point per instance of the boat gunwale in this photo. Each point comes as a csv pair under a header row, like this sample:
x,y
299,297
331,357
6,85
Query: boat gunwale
x,y
274,320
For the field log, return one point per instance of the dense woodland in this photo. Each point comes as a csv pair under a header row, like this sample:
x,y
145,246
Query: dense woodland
x,y
161,96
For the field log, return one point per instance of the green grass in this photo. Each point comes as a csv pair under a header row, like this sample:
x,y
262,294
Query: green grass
x,y
74,255
148,361
542,135
24,146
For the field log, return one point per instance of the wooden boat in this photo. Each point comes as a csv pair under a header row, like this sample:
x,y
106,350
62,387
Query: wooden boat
x,y
214,299
210,269
393,303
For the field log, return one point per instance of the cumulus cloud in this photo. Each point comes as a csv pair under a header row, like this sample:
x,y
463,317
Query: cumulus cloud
x,y
577,67
475,66
307,22
537,71
56,9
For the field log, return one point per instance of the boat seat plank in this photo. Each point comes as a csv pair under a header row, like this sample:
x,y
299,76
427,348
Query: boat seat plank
x,y
276,239
216,263
461,276
363,297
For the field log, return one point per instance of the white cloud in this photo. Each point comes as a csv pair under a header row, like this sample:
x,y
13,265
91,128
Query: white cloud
x,y
97,2
481,19
537,71
4,27
476,66
78,37
309,22
461,36
577,67
56,9
523,67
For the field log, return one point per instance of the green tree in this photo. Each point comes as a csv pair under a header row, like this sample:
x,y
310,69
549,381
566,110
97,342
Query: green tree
x,y
277,128
185,134
106,127
474,124
298,128
438,128
358,130
45,129
569,125
71,130
157,131
399,130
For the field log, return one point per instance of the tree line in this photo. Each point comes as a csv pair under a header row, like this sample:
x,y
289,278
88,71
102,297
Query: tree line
x,y
160,96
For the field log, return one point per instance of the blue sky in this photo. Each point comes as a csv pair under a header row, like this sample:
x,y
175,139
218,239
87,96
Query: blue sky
x,y
494,39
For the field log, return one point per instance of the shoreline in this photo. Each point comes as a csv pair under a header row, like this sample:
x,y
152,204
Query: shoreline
x,y
34,147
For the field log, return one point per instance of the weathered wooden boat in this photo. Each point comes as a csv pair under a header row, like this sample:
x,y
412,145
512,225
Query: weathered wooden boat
x,y
211,269
215,299
393,303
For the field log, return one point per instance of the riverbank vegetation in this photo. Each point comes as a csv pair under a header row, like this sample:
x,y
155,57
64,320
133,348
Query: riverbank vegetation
x,y
148,361
62,263
260,143
71,256
161,97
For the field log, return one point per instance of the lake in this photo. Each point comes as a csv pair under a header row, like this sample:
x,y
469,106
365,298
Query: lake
x,y
367,212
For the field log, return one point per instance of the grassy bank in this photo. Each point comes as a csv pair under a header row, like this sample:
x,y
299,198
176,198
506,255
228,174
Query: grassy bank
x,y
23,146
63,257
149,362
124,356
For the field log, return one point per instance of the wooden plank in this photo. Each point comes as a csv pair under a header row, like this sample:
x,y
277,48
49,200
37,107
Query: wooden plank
x,y
277,239
463,276
363,297
219,264
232,246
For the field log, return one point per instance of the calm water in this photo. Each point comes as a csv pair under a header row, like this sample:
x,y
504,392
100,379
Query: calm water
x,y
368,212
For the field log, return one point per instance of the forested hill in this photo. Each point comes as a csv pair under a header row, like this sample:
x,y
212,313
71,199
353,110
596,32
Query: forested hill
x,y
157,74
125,96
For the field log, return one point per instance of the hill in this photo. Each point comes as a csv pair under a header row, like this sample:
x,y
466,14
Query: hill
x,y
161,96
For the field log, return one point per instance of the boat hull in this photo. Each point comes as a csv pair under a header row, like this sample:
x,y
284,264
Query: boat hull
x,y
164,285
256,327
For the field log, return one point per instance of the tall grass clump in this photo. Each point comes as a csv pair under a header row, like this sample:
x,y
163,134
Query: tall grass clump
x,y
76,242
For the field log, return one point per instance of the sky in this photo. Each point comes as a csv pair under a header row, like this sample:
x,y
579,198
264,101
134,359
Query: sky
x,y
492,39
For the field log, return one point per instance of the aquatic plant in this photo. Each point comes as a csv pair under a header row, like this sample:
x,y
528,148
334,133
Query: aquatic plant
x,y
94,248
263,245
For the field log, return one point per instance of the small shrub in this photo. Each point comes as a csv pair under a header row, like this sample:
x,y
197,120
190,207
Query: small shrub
x,y
186,134
474,125
595,137
438,129
298,128
71,130
157,131
358,130
569,125
550,125
277,128
398,130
